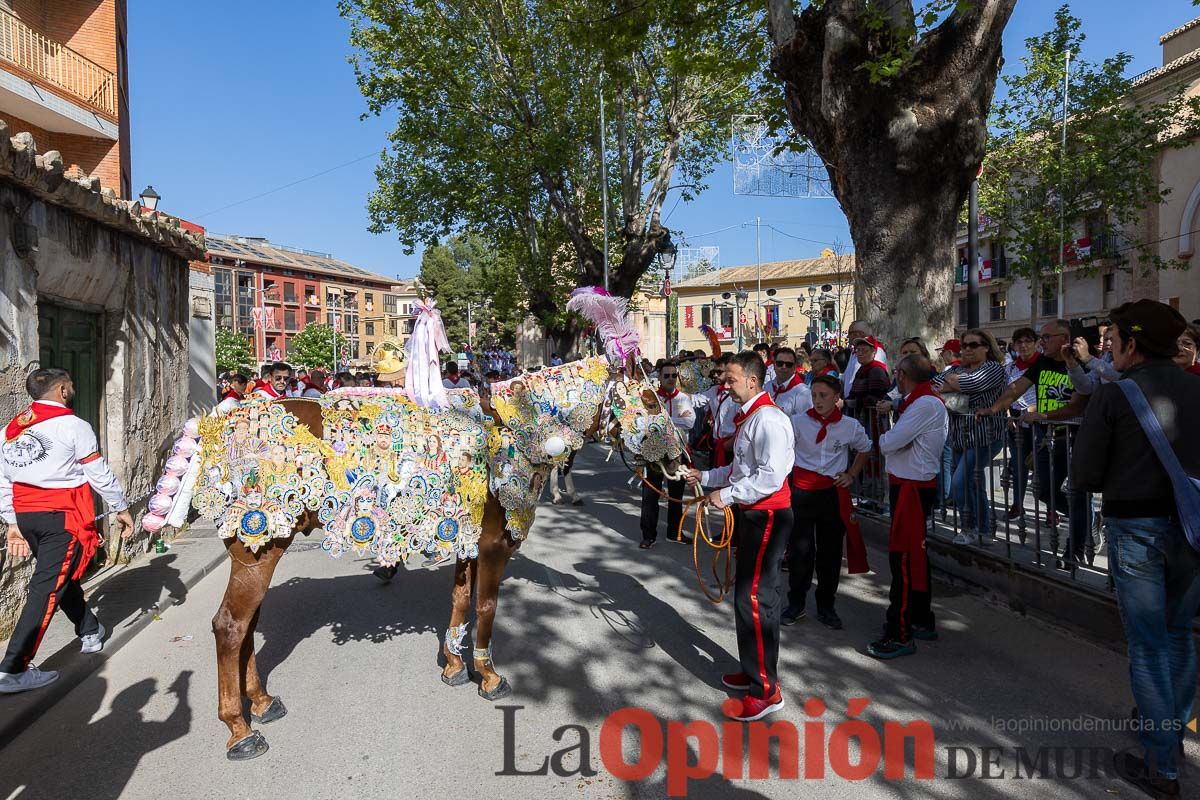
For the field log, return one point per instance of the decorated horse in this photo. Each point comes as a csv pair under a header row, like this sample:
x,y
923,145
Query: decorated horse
x,y
401,473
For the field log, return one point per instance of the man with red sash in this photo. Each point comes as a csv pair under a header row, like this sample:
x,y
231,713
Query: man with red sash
x,y
49,464
274,382
822,513
913,456
788,390
720,408
756,482
238,384
678,406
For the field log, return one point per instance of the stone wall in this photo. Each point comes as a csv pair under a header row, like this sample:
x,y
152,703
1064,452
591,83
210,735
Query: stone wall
x,y
70,243
202,373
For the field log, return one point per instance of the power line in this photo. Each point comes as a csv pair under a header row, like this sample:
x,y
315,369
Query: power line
x,y
287,185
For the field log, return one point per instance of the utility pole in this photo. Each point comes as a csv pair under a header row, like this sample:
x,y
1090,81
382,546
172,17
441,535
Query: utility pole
x,y
973,255
1062,243
604,180
758,261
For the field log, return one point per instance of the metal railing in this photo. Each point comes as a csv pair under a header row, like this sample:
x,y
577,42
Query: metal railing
x,y
58,65
1016,503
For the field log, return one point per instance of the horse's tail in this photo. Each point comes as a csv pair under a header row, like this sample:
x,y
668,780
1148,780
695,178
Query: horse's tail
x,y
173,491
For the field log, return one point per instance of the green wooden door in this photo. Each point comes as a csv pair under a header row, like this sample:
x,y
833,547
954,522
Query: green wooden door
x,y
70,339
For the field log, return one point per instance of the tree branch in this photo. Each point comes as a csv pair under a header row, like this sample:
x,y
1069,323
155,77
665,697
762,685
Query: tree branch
x,y
781,21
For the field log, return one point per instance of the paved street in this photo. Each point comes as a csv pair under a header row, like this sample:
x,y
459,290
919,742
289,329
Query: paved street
x,y
587,624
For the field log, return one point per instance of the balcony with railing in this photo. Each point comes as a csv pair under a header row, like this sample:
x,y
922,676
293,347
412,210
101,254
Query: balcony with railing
x,y
57,67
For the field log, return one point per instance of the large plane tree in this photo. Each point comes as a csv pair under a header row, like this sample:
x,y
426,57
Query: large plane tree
x,y
895,101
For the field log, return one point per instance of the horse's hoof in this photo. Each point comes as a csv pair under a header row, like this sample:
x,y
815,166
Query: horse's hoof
x,y
499,693
277,710
457,679
252,746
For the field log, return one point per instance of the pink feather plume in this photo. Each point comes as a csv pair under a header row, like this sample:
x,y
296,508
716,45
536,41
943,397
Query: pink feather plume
x,y
610,315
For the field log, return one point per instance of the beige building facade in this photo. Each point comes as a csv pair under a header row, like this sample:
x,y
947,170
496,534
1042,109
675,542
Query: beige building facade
x,y
781,302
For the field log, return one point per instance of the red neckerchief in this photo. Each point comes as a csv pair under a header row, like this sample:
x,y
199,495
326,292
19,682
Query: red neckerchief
x,y
792,383
306,384
37,412
923,389
1193,369
955,362
267,387
863,369
761,401
828,368
231,394
1024,365
670,398
834,416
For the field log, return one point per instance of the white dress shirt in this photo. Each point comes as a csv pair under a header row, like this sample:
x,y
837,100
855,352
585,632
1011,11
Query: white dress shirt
x,y
48,455
227,405
680,408
913,447
721,408
829,457
762,457
795,400
852,369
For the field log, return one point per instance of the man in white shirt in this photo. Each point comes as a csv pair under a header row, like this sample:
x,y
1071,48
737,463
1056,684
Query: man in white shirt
x,y
912,451
756,482
720,408
788,389
453,380
275,381
859,329
49,465
679,407
238,385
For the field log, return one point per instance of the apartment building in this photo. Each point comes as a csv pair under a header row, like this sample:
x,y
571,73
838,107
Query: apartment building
x,y
64,79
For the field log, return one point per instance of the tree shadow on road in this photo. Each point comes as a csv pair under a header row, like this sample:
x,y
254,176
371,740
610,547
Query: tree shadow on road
x,y
101,755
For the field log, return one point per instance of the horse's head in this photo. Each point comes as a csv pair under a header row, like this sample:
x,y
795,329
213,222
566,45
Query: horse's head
x,y
635,424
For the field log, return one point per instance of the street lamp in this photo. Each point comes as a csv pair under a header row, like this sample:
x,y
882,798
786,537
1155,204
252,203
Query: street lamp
x,y
665,253
740,297
816,305
149,198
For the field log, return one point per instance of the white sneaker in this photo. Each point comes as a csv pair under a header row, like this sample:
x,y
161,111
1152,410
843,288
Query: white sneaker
x,y
93,642
32,678
962,538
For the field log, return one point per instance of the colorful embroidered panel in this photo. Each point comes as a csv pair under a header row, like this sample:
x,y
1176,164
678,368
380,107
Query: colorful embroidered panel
x,y
260,470
406,481
694,376
646,431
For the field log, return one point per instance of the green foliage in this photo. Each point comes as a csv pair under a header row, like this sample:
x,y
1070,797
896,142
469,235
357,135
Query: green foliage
x,y
233,352
313,347
1108,174
497,123
469,269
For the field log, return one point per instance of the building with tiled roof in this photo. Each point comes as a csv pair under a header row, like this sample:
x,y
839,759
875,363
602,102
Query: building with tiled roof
x,y
783,302
270,292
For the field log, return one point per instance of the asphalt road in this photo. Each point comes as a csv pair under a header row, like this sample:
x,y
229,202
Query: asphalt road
x,y
588,624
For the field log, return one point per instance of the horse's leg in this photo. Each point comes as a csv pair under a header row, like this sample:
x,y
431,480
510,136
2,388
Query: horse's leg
x,y
495,549
263,707
455,672
249,577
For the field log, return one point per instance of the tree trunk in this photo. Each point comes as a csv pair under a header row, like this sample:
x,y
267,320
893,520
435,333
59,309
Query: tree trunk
x,y
902,151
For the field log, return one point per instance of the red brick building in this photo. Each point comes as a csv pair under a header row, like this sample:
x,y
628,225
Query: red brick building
x,y
64,79
300,287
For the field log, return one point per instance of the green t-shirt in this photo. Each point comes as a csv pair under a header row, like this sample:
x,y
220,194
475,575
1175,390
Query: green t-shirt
x,y
1051,382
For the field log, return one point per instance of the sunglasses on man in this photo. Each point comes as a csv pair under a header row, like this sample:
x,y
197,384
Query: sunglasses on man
x,y
784,364
973,345
669,376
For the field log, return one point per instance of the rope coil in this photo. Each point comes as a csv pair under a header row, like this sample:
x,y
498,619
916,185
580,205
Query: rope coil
x,y
722,545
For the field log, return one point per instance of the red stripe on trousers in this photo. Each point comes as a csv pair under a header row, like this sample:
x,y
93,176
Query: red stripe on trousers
x,y
904,595
758,633
52,603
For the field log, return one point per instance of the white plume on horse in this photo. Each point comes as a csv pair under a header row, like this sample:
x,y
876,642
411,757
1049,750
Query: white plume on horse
x,y
423,376
610,315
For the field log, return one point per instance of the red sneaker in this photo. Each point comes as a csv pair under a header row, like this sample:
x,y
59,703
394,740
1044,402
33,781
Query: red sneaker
x,y
749,708
738,681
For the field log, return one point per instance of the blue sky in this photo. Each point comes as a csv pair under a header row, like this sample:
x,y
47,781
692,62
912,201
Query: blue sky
x,y
231,100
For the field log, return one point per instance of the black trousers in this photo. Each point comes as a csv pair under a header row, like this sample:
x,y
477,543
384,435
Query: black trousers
x,y
58,555
907,606
651,501
762,537
818,538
